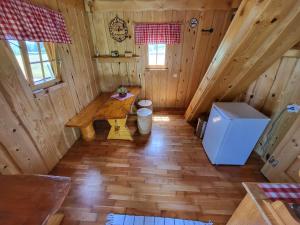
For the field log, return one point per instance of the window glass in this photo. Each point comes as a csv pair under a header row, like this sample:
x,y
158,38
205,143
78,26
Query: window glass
x,y
48,70
17,52
33,51
156,54
43,52
40,64
152,54
40,68
161,54
37,72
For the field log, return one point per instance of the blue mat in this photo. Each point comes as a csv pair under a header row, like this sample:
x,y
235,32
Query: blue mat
x,y
121,219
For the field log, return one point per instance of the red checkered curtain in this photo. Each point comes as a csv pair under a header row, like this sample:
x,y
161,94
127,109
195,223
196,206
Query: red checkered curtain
x,y
166,33
20,20
286,192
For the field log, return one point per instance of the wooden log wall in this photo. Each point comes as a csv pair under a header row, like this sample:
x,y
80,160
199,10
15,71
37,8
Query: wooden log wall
x,y
277,87
32,133
186,62
260,33
284,163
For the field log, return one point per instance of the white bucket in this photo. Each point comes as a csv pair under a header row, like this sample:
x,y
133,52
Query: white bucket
x,y
145,104
144,120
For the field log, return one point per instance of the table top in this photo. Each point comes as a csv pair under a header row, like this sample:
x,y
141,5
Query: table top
x,y
116,109
31,199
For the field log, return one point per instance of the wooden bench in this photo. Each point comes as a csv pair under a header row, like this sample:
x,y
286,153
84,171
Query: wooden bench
x,y
106,108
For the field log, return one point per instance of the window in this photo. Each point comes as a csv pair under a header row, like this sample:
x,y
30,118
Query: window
x,y
37,61
17,52
157,55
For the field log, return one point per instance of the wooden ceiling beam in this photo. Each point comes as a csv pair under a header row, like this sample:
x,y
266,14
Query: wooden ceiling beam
x,y
142,5
260,33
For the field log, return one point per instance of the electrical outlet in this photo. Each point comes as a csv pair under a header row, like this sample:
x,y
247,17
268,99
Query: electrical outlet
x,y
273,161
294,108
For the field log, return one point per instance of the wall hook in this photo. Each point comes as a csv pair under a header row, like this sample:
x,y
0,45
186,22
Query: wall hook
x,y
210,30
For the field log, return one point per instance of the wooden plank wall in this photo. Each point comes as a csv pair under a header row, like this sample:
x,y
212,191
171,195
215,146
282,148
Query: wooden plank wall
x,y
250,46
187,62
271,93
32,133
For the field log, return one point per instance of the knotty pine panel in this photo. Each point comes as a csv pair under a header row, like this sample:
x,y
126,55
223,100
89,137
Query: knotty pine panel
x,y
187,62
33,137
7,164
17,147
277,87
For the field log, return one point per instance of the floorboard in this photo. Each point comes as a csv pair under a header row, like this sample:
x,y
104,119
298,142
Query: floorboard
x,y
166,174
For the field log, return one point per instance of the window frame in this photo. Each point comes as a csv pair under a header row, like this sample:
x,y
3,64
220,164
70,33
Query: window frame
x,y
28,71
157,67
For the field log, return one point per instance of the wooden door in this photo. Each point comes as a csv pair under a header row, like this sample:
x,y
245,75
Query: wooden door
x,y
284,164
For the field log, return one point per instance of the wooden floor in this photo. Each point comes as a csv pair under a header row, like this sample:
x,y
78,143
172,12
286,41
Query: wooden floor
x,y
166,174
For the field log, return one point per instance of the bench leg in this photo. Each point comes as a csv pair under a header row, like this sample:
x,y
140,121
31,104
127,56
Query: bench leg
x,y
88,132
119,130
55,219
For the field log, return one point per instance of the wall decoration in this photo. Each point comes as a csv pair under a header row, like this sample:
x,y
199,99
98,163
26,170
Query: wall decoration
x,y
193,22
115,53
128,54
118,29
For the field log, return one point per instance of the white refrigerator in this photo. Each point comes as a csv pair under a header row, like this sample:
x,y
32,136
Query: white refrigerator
x,y
232,131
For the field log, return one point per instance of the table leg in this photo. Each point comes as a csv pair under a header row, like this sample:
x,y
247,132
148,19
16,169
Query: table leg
x,y
88,132
119,130
55,219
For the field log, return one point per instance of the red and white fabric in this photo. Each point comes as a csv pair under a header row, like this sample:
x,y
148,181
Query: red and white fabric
x,y
166,33
286,192
23,21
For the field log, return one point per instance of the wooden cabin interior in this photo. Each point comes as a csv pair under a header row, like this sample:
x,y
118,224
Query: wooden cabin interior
x,y
79,145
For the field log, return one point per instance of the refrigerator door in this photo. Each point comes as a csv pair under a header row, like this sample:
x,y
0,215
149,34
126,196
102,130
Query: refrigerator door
x,y
240,140
215,133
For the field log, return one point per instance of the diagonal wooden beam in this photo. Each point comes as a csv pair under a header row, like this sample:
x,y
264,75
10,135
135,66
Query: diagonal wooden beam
x,y
261,32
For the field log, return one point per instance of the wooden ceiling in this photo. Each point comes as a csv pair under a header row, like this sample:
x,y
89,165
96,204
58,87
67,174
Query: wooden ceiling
x,y
138,5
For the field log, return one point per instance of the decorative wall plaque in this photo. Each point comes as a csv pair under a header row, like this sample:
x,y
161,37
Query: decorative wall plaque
x,y
118,29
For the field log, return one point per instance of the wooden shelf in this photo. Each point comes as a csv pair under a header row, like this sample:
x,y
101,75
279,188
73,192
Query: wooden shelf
x,y
121,58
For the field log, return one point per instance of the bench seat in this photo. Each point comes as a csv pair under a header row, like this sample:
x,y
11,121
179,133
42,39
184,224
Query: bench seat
x,y
86,116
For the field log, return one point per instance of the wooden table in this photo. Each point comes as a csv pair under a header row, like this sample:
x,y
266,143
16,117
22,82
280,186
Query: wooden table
x,y
115,112
106,108
257,209
32,199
